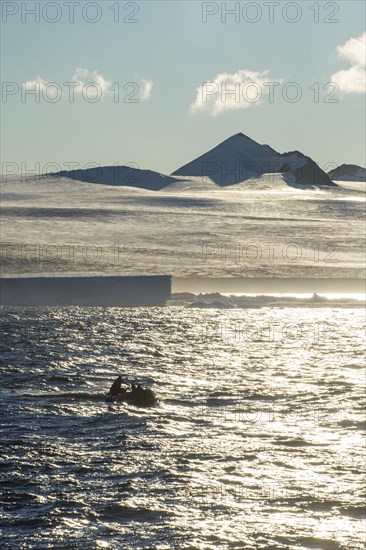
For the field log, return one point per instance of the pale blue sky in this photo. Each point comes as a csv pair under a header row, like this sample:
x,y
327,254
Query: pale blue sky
x,y
173,48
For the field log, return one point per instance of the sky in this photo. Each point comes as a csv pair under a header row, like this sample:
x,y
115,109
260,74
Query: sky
x,y
174,65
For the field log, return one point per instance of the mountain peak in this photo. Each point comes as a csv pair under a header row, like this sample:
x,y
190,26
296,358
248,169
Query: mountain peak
x,y
240,134
240,158
242,137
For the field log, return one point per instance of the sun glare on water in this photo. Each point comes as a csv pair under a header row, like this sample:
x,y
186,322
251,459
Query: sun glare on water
x,y
304,296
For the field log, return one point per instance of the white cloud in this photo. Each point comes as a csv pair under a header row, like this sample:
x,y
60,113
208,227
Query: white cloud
x,y
32,84
81,73
50,90
83,78
352,80
145,89
94,77
354,50
229,91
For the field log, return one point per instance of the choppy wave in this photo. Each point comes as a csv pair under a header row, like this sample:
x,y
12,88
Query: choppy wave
x,y
256,441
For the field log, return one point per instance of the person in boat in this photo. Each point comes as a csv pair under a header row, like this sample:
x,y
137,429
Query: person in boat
x,y
116,387
137,391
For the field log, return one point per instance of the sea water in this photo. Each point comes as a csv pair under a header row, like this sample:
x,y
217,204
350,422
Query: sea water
x,y
256,441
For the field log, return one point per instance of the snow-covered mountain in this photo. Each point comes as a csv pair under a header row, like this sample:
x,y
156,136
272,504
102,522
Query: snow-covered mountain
x,y
240,158
123,176
348,172
237,159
